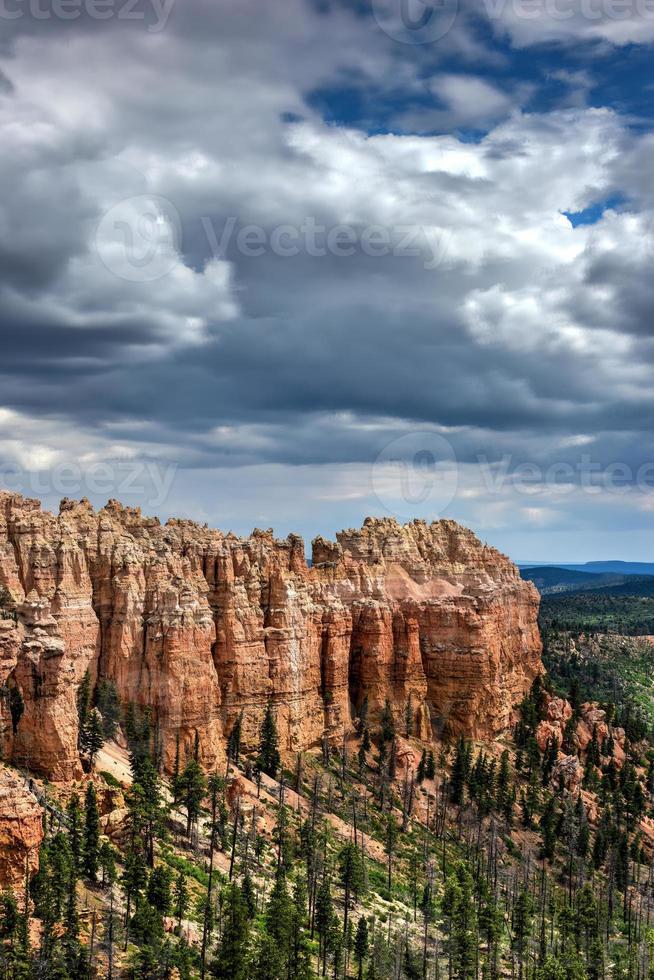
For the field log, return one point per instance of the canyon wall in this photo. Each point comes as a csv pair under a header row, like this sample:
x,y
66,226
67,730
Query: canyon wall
x,y
202,626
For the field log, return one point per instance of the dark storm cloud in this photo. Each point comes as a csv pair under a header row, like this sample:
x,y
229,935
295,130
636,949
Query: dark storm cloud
x,y
499,323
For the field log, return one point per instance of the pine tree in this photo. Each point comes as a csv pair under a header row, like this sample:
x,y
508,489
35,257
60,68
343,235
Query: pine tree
x,y
16,707
231,960
361,756
430,766
351,876
523,915
249,897
408,717
92,736
108,704
361,944
300,959
83,702
107,862
280,920
458,780
387,723
151,805
174,779
324,915
420,774
75,832
159,889
268,759
459,909
180,898
192,789
234,741
491,925
73,952
134,878
548,823
91,833
427,909
392,761
363,715
389,842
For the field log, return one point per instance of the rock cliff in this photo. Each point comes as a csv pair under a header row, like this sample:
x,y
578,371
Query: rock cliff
x,y
201,626
21,832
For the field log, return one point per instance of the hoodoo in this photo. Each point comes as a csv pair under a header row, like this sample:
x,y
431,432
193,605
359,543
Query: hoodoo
x,y
202,626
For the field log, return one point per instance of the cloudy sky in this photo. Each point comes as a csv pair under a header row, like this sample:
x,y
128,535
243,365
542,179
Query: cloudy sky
x,y
292,262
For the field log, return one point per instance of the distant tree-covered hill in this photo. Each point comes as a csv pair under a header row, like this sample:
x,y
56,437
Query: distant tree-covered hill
x,y
549,579
601,611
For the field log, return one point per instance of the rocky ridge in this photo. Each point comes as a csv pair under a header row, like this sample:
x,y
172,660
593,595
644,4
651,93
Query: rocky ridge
x,y
200,626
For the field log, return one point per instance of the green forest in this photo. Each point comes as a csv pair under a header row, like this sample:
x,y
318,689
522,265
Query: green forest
x,y
481,863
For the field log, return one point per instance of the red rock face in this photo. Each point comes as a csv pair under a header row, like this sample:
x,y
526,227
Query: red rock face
x,y
201,626
21,832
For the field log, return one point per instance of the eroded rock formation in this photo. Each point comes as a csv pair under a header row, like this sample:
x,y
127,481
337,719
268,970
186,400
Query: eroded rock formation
x,y
201,626
21,831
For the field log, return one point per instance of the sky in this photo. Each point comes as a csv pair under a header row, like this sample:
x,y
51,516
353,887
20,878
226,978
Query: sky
x,y
290,264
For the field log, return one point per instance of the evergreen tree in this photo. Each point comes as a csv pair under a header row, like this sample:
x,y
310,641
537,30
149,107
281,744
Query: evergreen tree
x,y
408,717
134,878
75,832
234,740
390,841
192,790
387,723
268,759
108,704
180,898
16,707
458,780
324,915
430,766
523,914
91,833
548,826
83,702
92,736
351,876
280,921
174,779
249,897
459,909
231,960
300,959
107,862
363,716
73,952
159,889
361,755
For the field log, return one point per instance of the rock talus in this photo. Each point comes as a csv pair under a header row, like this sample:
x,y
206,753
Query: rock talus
x,y
202,627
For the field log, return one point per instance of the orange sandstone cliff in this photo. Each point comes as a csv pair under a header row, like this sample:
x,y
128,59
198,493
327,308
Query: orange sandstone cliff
x,y
201,626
